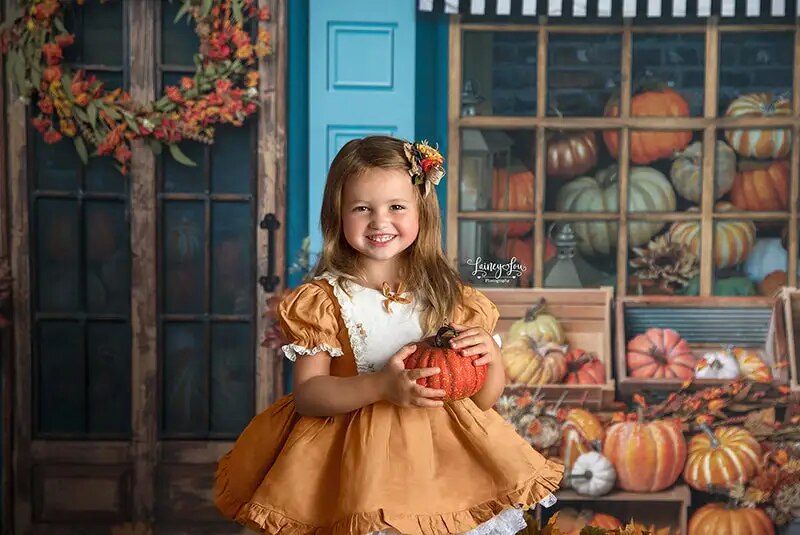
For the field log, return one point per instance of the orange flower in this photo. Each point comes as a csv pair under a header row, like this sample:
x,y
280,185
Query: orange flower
x,y
174,94
51,73
187,83
240,39
262,50
122,154
704,419
716,404
687,383
637,398
41,124
252,79
52,53
51,137
244,52
784,390
112,96
82,100
263,14
46,105
263,37
65,40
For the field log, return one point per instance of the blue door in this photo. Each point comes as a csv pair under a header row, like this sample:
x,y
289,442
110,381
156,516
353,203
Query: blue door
x,y
361,82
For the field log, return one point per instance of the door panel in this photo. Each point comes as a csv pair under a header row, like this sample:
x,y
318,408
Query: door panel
x,y
361,82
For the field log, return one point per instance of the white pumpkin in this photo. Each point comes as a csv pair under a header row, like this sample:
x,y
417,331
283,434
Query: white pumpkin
x,y
718,365
649,191
768,255
592,474
686,171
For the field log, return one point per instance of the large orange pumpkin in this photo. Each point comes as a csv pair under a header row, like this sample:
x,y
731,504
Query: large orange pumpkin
x,y
459,377
718,518
721,458
512,192
758,142
762,188
648,146
648,456
584,368
580,433
660,354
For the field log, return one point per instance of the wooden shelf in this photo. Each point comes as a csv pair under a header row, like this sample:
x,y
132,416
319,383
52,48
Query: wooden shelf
x,y
678,493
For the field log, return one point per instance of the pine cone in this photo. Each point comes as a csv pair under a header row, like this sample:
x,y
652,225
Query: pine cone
x,y
665,264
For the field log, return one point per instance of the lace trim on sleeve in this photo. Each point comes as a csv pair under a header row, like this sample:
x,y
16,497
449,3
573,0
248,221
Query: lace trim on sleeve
x,y
291,351
358,337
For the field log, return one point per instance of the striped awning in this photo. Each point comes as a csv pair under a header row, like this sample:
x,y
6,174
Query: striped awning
x,y
762,9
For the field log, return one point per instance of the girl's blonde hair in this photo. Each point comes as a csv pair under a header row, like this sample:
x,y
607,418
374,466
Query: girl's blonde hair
x,y
424,269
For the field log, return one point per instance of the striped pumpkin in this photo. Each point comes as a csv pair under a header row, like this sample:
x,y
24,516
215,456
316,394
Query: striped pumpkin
x,y
721,458
648,456
579,433
763,188
754,142
733,240
717,518
752,366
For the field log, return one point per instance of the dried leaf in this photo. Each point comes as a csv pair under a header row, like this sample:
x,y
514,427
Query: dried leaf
x,y
760,422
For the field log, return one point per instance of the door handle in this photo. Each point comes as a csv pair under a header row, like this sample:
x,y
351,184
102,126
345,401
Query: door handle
x,y
269,281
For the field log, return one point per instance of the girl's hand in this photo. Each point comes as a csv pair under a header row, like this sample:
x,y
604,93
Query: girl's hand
x,y
399,386
475,341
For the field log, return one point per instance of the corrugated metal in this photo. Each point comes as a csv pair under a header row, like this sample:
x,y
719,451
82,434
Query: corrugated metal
x,y
738,326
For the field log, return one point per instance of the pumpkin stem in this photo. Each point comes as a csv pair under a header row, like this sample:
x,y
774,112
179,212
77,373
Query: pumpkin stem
x,y
578,363
443,335
640,413
711,436
586,475
535,310
657,356
649,82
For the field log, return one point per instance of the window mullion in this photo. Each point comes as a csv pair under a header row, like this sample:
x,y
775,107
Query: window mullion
x,y
623,160
707,262
794,169
541,148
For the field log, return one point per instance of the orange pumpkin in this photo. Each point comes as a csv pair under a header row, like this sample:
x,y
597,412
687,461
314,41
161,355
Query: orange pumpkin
x,y
721,458
733,240
648,146
660,354
717,518
571,522
762,188
584,368
570,154
773,282
512,192
459,377
648,456
757,142
580,433
752,365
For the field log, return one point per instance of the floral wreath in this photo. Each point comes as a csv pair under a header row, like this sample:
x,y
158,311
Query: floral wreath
x,y
223,90
426,164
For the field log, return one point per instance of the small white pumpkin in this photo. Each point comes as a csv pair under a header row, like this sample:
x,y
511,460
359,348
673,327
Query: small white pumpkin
x,y
718,365
592,474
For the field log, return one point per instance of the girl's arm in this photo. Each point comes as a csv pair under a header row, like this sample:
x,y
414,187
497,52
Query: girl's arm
x,y
317,393
487,397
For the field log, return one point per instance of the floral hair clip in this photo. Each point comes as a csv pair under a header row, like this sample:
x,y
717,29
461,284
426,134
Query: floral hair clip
x,y
426,164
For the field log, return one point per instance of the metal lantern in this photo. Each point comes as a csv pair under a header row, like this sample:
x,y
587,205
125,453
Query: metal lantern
x,y
567,269
470,99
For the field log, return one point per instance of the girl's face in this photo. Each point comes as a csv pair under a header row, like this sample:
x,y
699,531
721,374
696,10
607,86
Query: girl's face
x,y
380,218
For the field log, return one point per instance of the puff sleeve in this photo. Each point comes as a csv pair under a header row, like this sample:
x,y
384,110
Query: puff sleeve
x,y
309,322
477,310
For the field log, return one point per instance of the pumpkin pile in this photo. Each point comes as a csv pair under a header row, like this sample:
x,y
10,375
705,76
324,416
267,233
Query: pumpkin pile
x,y
535,352
664,354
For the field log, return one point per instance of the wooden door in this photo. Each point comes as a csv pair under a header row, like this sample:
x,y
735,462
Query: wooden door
x,y
137,308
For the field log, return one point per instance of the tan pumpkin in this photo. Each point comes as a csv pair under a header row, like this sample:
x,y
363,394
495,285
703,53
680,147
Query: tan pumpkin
x,y
648,456
721,458
649,191
752,365
581,433
512,191
762,187
656,100
719,518
733,240
530,363
538,324
570,154
660,354
755,142
687,171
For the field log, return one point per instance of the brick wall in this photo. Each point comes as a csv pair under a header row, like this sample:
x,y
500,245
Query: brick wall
x,y
584,69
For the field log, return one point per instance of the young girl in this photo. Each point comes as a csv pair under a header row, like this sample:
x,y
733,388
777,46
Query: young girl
x,y
361,448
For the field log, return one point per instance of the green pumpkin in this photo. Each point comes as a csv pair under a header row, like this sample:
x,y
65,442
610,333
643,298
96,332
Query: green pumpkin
x,y
537,325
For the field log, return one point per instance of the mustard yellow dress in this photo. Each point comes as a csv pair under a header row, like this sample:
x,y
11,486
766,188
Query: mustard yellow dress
x,y
382,468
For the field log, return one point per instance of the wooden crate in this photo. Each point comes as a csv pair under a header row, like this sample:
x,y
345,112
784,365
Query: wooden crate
x,y
708,324
791,310
666,508
585,316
